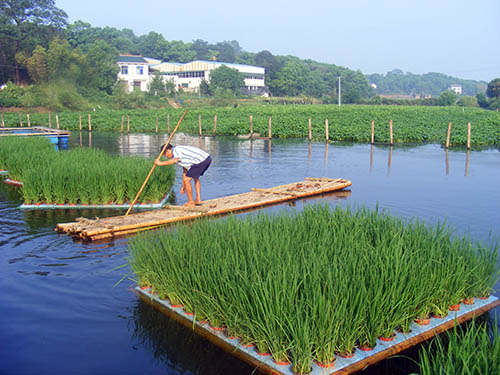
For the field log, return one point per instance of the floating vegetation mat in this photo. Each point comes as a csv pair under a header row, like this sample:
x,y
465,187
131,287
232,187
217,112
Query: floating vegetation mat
x,y
82,177
359,360
316,285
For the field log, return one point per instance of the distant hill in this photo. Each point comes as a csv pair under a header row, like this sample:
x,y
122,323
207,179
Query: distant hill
x,y
397,82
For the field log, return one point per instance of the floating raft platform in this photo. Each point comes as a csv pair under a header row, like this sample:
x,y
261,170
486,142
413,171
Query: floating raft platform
x,y
116,226
342,366
56,136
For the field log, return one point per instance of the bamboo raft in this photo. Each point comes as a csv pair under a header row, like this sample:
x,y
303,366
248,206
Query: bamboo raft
x,y
110,227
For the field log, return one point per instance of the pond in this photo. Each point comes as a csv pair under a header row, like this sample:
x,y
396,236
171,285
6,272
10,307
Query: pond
x,y
64,310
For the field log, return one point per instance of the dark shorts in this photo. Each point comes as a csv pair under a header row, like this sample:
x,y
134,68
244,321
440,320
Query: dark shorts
x,y
197,170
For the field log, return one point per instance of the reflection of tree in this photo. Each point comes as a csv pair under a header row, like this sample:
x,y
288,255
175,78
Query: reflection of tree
x,y
179,348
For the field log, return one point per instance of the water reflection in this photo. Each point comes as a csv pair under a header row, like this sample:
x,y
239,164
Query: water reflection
x,y
179,348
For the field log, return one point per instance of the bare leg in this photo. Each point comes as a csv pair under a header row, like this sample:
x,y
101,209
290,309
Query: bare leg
x,y
197,188
189,190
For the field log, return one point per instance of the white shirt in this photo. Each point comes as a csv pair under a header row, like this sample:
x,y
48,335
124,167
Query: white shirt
x,y
189,155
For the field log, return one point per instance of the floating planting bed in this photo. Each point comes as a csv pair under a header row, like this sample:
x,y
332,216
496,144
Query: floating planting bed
x,y
110,227
359,360
3,172
81,177
9,181
313,287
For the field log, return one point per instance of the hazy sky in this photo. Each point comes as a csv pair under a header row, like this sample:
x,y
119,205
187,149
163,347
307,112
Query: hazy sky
x,y
456,37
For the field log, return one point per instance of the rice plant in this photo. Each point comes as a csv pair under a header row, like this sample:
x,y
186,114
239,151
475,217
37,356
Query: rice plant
x,y
314,284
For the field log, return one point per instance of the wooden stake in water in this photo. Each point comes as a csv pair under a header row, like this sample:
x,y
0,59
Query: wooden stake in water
x,y
156,130
3,121
128,124
390,132
199,125
269,133
80,122
57,121
50,121
168,123
251,126
373,131
28,119
20,120
326,130
90,123
310,130
448,135
154,165
121,125
468,136
215,122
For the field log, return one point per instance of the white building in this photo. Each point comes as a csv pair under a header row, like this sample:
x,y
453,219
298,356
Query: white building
x,y
134,70
138,71
457,89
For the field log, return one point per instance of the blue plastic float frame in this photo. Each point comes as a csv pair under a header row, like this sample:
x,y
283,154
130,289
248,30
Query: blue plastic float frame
x,y
85,206
266,364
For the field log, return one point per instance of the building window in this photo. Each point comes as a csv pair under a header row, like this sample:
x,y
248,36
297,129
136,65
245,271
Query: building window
x,y
140,70
124,69
137,83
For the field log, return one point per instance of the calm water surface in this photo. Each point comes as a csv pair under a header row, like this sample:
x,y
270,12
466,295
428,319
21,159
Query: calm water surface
x,y
61,313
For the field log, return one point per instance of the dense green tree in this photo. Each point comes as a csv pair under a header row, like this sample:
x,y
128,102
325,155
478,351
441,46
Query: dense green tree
x,y
101,68
23,20
482,101
179,51
467,101
153,45
157,86
226,78
493,90
447,98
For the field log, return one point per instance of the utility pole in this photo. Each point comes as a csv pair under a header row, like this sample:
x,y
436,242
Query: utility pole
x,y
339,91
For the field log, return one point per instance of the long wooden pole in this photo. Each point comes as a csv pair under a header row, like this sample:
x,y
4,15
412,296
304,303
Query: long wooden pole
x,y
448,135
468,136
154,165
373,131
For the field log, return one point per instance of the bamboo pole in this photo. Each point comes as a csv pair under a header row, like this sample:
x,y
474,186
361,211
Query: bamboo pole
x,y
154,165
20,120
121,125
251,126
373,131
128,124
3,121
168,123
28,119
50,121
310,130
468,136
80,122
448,135
326,130
156,130
269,133
390,132
215,122
199,125
90,123
57,121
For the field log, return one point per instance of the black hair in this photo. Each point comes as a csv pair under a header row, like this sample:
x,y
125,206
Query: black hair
x,y
169,147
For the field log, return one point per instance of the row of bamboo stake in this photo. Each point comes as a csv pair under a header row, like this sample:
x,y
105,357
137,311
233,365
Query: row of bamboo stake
x,y
251,135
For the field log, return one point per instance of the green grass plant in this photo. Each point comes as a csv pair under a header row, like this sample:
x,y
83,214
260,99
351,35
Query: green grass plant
x,y
309,285
80,176
473,349
346,123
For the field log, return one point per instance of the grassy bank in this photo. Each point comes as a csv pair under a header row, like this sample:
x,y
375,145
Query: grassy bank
x,y
315,284
80,176
346,123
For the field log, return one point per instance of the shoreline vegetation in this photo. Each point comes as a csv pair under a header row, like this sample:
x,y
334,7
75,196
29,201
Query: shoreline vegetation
x,y
80,176
312,285
351,123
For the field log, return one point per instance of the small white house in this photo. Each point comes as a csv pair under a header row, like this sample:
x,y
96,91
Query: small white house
x,y
134,70
457,89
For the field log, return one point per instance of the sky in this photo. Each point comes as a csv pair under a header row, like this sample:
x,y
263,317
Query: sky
x,y
460,38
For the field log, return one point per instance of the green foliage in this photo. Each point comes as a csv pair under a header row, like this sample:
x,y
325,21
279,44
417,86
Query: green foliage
x,y
447,98
11,95
467,101
493,90
79,175
226,78
473,349
311,284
